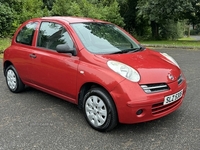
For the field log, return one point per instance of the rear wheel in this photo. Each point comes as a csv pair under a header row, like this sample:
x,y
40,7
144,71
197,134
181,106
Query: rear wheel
x,y
99,109
13,80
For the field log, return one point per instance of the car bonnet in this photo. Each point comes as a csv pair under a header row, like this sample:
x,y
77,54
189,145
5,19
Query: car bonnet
x,y
151,65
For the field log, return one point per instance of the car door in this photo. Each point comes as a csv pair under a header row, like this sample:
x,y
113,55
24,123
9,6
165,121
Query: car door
x,y
52,71
23,48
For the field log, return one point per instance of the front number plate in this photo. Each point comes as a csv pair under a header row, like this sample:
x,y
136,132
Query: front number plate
x,y
172,98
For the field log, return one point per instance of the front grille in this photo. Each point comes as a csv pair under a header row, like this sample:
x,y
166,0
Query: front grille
x,y
159,107
180,79
152,88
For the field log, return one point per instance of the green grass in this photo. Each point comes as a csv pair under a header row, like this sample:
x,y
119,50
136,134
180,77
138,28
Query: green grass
x,y
4,43
183,42
174,43
186,39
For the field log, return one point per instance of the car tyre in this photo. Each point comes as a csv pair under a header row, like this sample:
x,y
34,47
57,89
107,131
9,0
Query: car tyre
x,y
13,80
99,109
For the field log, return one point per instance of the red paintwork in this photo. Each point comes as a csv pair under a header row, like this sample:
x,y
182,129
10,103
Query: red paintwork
x,y
59,74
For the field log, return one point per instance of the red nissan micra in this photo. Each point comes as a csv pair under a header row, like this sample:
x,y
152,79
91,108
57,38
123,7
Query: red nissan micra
x,y
96,65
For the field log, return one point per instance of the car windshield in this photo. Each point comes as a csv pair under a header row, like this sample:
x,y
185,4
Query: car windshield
x,y
104,38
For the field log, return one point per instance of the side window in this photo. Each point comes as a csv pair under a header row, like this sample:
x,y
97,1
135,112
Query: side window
x,y
52,34
25,35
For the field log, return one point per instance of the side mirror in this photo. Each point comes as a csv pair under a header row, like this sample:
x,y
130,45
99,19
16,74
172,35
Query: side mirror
x,y
142,47
64,48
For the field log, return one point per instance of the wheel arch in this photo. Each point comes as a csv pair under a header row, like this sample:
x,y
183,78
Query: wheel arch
x,y
5,66
85,88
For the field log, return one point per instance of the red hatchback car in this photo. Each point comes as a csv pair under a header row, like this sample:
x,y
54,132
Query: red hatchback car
x,y
96,65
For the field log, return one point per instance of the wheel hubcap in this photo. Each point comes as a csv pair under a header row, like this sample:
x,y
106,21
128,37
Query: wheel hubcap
x,y
11,79
96,111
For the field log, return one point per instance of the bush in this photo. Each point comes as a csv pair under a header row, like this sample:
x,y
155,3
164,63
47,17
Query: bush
x,y
171,30
193,32
6,20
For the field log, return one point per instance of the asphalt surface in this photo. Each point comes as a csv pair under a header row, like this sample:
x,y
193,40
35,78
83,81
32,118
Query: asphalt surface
x,y
196,37
33,120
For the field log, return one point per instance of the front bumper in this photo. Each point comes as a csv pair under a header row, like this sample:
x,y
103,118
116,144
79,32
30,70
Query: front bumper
x,y
129,98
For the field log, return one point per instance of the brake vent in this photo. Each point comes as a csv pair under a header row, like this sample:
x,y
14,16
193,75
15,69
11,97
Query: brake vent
x,y
152,88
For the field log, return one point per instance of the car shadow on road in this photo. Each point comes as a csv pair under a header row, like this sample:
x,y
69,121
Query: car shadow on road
x,y
72,112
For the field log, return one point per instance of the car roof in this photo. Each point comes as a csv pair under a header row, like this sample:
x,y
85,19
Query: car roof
x,y
71,19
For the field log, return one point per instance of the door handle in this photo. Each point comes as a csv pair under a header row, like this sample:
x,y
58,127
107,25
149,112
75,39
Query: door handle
x,y
32,55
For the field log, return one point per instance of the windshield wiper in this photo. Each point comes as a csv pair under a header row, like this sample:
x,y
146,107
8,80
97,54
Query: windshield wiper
x,y
129,50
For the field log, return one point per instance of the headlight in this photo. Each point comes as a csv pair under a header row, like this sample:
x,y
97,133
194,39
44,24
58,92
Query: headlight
x,y
170,59
124,70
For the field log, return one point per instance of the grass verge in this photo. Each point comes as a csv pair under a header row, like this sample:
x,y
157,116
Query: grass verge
x,y
175,43
4,43
183,42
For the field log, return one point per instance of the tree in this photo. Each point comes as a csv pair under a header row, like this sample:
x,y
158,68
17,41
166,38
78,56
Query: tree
x,y
134,24
129,13
193,15
158,12
89,8
21,11
31,9
61,7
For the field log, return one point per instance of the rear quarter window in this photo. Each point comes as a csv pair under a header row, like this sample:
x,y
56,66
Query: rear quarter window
x,y
25,35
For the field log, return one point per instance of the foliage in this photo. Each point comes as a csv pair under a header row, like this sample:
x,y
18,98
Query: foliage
x,y
172,30
48,4
193,15
15,6
21,11
31,9
158,12
195,31
92,9
143,18
61,7
129,13
6,19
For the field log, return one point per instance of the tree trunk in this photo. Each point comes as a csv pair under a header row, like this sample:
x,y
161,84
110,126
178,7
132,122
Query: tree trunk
x,y
188,31
154,30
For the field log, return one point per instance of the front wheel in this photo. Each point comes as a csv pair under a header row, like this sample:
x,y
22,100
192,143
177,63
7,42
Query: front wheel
x,y
100,111
13,80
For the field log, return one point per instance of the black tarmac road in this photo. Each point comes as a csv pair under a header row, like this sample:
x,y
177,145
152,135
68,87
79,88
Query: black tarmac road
x,y
33,120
